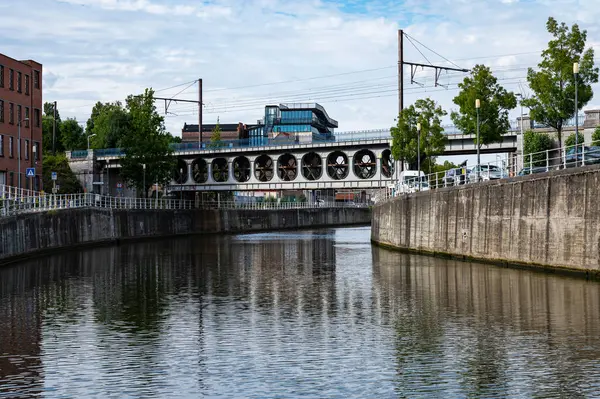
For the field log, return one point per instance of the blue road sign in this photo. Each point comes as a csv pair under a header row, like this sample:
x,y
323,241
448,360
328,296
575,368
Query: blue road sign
x,y
30,172
54,176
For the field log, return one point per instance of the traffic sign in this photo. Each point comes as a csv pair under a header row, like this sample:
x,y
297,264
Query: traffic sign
x,y
54,176
30,172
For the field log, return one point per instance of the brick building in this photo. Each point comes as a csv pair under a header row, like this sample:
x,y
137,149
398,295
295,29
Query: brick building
x,y
20,104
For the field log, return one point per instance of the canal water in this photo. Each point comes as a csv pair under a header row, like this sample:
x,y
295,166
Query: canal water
x,y
309,314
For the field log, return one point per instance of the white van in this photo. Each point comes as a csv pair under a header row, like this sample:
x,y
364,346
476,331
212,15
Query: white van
x,y
409,182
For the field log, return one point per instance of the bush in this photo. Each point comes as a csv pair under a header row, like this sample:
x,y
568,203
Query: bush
x,y
536,144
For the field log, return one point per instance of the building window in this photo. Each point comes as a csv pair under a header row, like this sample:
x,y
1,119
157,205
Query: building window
x,y
26,85
11,178
10,146
1,145
36,113
36,151
36,79
11,113
11,79
1,111
26,149
26,116
19,81
1,76
19,115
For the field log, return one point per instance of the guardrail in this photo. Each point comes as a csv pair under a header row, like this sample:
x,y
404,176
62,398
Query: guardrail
x,y
41,202
539,162
279,205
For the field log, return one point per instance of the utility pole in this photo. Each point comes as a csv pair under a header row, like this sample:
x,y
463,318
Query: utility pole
x,y
400,71
199,113
54,129
413,69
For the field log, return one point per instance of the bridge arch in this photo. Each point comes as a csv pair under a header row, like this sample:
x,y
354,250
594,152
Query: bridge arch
x,y
181,172
337,165
220,170
387,163
264,169
312,166
287,167
199,170
365,164
241,169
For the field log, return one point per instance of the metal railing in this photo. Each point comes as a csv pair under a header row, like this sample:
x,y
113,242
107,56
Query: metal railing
x,y
533,163
48,202
279,205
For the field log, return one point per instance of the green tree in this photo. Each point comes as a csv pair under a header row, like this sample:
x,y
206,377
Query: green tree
x,y
215,137
109,122
493,113
146,143
553,85
534,147
67,180
47,129
404,134
174,139
570,141
72,135
596,136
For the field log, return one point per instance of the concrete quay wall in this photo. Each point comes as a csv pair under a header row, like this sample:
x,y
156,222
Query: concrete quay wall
x,y
550,220
36,233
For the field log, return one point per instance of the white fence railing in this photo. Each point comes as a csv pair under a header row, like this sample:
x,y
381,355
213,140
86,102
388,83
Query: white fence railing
x,y
280,205
540,162
12,205
47,202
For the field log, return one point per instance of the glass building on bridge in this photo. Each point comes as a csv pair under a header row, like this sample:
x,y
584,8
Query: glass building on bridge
x,y
297,123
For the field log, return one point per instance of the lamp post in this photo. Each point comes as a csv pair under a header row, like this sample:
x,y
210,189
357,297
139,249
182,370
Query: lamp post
x,y
144,180
576,73
19,153
32,181
90,163
477,106
521,128
419,154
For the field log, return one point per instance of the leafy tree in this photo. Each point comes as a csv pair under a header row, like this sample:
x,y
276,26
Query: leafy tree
x,y
146,143
72,135
596,136
47,129
570,141
536,144
67,180
404,134
493,113
215,137
174,139
109,122
553,85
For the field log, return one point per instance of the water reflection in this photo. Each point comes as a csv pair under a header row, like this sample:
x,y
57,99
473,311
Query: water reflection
x,y
297,314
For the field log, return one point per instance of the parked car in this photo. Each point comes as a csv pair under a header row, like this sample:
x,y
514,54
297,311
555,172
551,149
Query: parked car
x,y
588,155
486,172
529,171
454,177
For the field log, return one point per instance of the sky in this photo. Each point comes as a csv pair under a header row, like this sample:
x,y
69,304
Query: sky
x,y
249,53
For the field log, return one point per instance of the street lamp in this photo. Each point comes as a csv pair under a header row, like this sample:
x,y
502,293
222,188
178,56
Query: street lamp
x,y
419,153
144,181
90,165
521,128
576,73
19,154
477,106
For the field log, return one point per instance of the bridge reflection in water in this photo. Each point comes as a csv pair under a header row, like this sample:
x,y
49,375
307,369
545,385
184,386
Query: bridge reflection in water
x,y
316,313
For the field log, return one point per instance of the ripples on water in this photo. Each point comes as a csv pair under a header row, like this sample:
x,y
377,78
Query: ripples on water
x,y
316,314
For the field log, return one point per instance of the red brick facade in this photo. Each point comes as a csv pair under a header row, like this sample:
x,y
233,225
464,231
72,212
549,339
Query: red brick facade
x,y
20,99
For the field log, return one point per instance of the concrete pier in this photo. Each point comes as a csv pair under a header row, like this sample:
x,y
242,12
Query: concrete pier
x,y
550,220
30,234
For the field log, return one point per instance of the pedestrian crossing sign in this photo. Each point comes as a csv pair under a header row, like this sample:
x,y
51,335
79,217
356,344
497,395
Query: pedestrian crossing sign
x,y
30,172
